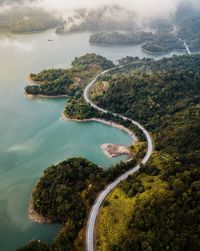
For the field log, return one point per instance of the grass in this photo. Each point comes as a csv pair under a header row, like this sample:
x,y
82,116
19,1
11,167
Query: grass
x,y
113,219
115,214
99,89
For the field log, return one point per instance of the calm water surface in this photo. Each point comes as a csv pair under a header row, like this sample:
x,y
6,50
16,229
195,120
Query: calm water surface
x,y
32,133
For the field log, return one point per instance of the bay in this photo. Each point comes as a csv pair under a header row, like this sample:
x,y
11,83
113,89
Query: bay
x,y
32,133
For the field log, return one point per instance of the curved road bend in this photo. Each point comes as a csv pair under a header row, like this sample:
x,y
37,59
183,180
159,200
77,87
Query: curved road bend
x,y
90,229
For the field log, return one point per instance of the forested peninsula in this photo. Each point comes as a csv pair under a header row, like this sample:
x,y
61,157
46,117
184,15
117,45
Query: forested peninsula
x,y
157,208
66,82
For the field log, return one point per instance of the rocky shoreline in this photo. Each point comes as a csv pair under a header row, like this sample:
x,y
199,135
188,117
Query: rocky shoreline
x,y
31,96
116,150
32,82
34,216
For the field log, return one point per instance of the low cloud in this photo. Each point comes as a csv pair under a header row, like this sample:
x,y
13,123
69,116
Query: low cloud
x,y
143,8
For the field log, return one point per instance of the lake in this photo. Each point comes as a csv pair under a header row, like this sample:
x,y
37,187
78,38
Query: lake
x,y
33,134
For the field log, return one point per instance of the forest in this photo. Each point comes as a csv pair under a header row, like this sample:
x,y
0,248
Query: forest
x,y
68,82
165,98
52,82
161,201
163,43
120,38
65,193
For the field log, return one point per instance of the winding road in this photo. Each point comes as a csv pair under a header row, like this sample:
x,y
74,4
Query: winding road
x,y
90,229
187,48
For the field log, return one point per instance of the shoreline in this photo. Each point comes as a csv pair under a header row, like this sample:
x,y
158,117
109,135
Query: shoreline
x,y
31,96
34,216
121,150
161,53
32,82
110,123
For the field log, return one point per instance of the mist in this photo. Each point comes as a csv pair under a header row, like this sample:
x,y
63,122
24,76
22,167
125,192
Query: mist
x,y
142,8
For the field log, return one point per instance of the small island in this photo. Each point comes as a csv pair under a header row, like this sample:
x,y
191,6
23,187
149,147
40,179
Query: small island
x,y
116,150
118,38
152,43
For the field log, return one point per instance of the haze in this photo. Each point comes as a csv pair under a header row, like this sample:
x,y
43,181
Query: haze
x,y
143,8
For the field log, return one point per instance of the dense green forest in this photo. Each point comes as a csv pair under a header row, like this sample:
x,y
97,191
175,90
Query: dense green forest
x,y
160,203
65,194
51,82
92,60
165,98
55,82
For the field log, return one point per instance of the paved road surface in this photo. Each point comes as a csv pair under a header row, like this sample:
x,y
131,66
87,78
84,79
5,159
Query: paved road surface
x,y
187,48
95,209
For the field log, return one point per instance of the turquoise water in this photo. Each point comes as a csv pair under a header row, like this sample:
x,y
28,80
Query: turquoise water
x,y
32,133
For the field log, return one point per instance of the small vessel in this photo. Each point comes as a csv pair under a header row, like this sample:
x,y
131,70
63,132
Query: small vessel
x,y
50,40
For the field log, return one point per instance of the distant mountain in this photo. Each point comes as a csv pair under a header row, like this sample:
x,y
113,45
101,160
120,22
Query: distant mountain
x,y
8,2
167,34
187,19
105,18
26,19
